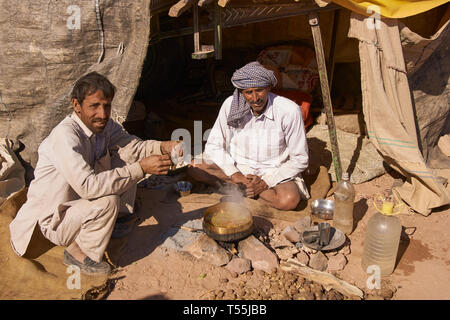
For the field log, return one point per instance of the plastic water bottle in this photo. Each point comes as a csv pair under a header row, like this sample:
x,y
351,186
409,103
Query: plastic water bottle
x,y
344,197
382,238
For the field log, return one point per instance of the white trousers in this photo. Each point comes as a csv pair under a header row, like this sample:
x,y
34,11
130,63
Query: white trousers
x,y
298,180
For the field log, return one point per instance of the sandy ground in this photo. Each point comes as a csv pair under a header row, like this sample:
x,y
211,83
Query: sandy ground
x,y
148,271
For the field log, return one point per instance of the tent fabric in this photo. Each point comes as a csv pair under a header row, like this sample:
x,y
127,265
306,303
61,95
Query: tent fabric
x,y
388,8
428,65
417,49
47,46
12,173
389,115
41,273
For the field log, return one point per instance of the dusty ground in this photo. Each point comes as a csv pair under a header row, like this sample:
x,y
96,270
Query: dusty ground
x,y
148,271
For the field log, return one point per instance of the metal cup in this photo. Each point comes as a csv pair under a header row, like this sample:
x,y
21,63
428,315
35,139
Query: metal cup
x,y
324,233
310,236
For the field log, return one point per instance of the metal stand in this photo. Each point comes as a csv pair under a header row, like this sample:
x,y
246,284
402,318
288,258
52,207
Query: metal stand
x,y
200,51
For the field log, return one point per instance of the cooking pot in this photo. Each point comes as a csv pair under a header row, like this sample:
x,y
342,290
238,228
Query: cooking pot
x,y
227,221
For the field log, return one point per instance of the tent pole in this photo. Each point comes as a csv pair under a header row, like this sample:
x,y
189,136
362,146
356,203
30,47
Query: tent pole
x,y
196,29
332,54
320,57
218,31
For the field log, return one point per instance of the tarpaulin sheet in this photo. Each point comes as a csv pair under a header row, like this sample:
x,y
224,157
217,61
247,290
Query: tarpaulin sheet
x,y
389,114
47,45
390,8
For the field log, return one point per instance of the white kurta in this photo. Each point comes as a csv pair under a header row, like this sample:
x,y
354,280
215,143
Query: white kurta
x,y
272,144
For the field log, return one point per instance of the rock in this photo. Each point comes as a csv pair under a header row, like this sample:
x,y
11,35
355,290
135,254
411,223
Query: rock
x,y
318,261
300,281
293,291
260,273
291,234
286,252
309,250
331,253
309,296
368,164
303,224
444,144
351,123
337,262
280,242
207,249
373,297
303,258
333,295
239,265
316,289
239,292
386,293
345,250
261,257
223,280
179,239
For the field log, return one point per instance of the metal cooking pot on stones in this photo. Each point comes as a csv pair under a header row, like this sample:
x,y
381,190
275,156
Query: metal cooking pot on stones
x,y
227,221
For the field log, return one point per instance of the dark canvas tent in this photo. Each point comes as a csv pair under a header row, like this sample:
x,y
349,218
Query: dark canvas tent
x,y
47,46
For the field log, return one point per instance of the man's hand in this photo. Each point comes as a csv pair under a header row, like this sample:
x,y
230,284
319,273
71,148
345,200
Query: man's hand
x,y
255,185
239,178
167,146
156,164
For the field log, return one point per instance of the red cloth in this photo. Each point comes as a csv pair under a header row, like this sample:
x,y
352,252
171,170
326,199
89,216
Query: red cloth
x,y
303,99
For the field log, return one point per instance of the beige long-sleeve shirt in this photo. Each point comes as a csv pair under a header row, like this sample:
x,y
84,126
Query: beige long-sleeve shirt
x,y
75,163
273,144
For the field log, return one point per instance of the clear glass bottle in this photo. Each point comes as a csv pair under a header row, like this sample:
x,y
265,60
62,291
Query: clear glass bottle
x,y
382,239
344,197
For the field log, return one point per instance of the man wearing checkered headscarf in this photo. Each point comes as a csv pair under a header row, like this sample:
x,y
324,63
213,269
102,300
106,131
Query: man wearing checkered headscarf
x,y
258,142
252,75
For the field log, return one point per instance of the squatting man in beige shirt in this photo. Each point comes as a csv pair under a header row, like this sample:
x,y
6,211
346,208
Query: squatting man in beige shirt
x,y
86,179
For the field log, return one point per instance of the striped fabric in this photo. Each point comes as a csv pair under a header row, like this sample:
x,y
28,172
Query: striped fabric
x,y
252,75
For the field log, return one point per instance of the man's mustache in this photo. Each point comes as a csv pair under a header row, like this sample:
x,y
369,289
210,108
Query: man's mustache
x,y
99,120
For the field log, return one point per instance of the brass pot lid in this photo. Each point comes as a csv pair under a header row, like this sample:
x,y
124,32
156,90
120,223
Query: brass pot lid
x,y
227,218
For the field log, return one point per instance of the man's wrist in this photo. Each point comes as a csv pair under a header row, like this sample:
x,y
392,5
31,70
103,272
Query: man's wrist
x,y
234,175
163,147
264,184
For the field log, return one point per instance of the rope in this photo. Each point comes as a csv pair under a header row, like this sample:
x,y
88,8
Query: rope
x,y
120,49
100,27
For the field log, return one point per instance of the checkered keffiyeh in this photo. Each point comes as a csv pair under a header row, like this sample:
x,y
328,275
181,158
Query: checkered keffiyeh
x,y
252,75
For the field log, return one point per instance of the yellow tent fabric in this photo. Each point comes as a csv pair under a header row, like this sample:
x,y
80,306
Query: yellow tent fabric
x,y
390,8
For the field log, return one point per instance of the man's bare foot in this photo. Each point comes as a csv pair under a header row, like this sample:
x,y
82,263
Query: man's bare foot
x,y
76,252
